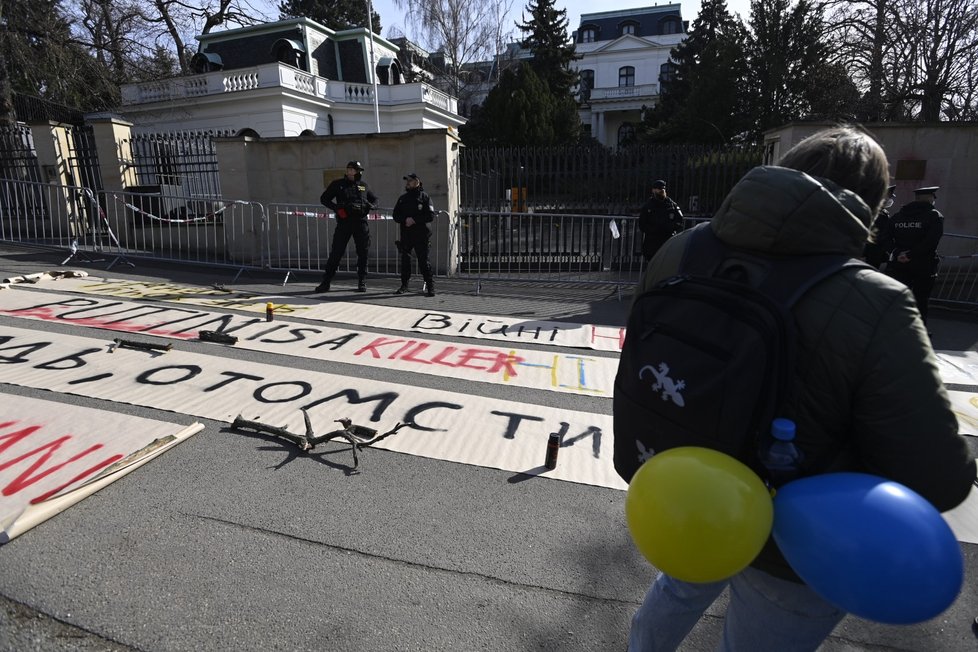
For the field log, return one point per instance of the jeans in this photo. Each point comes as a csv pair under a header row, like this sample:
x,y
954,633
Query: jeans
x,y
765,614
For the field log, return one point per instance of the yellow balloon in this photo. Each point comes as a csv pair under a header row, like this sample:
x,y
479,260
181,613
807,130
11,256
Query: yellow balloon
x,y
697,514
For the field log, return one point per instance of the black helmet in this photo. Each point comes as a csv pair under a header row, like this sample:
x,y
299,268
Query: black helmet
x,y
355,164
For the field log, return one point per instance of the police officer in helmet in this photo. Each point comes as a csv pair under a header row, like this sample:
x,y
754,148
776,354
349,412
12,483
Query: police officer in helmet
x,y
350,199
916,230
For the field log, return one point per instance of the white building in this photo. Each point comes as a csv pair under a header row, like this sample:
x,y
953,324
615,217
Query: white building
x,y
624,56
289,78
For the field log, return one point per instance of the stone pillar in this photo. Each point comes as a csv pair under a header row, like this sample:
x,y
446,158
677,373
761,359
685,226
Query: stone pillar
x,y
112,143
51,146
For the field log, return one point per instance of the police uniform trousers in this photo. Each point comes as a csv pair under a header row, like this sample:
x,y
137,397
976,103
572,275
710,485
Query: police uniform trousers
x,y
919,277
345,229
417,239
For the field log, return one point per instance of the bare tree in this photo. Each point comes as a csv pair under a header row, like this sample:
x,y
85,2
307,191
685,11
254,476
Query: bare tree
x,y
913,59
460,31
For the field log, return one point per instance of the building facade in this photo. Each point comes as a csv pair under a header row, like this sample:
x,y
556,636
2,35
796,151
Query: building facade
x,y
290,78
624,55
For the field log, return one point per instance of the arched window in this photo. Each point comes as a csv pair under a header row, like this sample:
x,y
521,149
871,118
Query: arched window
x,y
667,72
291,52
248,131
307,132
626,76
626,134
628,27
589,34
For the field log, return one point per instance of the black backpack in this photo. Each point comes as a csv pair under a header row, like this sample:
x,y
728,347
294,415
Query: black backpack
x,y
709,353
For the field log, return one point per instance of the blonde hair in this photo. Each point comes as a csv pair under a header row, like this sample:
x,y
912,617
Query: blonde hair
x,y
846,156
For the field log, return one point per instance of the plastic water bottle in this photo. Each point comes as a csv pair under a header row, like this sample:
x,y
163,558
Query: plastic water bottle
x,y
781,457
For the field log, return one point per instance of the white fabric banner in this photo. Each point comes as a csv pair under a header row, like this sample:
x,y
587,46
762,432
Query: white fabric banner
x,y
54,454
503,329
448,426
591,375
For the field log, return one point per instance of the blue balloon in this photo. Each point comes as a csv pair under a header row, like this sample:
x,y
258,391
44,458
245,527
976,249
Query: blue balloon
x,y
869,546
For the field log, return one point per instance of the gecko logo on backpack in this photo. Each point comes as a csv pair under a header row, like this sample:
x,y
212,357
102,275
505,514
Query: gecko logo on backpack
x,y
709,353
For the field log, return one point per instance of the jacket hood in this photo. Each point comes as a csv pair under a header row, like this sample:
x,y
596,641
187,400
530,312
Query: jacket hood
x,y
781,211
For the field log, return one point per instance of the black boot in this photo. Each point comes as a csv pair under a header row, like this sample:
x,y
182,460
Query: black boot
x,y
322,287
429,288
362,286
404,288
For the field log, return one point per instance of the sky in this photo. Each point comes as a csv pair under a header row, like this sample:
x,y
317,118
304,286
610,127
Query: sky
x,y
390,15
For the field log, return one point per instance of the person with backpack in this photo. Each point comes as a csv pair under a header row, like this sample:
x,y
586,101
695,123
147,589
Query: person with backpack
x,y
659,219
413,212
863,386
350,199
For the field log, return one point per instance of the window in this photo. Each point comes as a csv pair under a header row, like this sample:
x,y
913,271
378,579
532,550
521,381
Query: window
x,y
587,80
667,72
629,28
670,25
589,35
626,76
626,134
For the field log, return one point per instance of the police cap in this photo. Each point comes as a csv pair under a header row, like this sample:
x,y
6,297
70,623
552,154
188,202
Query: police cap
x,y
412,175
929,190
355,164
658,183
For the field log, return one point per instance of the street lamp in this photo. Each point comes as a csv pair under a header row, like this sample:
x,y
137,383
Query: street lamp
x,y
373,62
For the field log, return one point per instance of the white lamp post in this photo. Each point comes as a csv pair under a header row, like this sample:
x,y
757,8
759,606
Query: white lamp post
x,y
373,62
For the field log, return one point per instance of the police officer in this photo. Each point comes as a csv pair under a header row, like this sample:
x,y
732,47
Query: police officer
x,y
880,243
413,211
917,228
659,220
351,200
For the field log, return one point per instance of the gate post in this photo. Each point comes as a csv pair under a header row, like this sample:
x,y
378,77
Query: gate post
x,y
112,136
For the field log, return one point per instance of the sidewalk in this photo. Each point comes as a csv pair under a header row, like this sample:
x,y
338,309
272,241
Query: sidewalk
x,y
228,541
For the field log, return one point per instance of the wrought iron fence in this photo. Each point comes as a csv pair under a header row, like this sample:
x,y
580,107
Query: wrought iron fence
x,y
82,157
18,158
181,164
598,181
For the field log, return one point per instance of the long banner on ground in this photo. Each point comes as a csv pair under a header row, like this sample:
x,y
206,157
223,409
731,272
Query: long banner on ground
x,y
52,455
448,426
432,322
591,375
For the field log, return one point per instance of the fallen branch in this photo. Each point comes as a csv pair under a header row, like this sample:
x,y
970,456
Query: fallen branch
x,y
358,436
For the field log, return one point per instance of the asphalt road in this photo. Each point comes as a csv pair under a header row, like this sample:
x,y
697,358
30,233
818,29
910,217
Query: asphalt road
x,y
230,542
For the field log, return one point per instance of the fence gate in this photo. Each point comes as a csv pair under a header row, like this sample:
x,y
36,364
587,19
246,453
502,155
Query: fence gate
x,y
82,158
177,164
598,181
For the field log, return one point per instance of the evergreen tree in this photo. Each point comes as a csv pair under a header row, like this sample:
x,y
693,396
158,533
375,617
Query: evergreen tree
x,y
545,35
519,110
789,64
41,58
703,100
335,14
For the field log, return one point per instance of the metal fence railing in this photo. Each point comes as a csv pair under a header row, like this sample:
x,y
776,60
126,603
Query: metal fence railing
x,y
957,275
585,250
299,237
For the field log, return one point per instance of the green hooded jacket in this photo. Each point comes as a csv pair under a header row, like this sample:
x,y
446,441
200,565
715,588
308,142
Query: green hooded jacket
x,y
867,396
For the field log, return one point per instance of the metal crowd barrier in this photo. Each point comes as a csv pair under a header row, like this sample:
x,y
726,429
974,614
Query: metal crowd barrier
x,y
299,237
483,246
957,274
